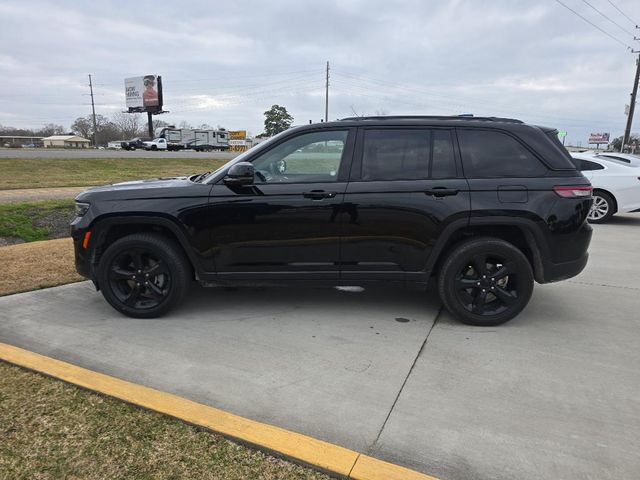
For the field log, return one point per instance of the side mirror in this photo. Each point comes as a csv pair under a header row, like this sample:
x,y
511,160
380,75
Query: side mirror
x,y
241,173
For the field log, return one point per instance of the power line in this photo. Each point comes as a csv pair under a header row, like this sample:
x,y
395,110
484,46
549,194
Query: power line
x,y
624,14
612,21
595,26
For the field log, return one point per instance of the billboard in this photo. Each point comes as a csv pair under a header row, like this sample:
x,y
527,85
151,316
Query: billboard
x,y
599,138
143,94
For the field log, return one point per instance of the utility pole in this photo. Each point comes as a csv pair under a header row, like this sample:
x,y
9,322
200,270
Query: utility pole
x,y
326,96
632,106
93,109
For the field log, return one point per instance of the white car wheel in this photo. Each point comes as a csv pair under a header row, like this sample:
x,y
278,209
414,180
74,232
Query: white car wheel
x,y
601,209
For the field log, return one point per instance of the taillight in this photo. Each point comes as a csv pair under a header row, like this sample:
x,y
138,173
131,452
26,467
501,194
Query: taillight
x,y
573,191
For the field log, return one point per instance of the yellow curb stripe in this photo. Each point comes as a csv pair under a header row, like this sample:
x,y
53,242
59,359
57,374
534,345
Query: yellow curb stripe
x,y
369,468
317,453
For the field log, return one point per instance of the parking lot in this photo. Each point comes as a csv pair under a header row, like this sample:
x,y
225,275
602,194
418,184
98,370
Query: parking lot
x,y
555,393
92,153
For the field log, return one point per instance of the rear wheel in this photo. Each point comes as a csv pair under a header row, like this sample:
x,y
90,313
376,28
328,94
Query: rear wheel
x,y
144,275
602,208
485,281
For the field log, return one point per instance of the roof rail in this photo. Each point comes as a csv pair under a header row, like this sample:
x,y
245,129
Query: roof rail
x,y
435,117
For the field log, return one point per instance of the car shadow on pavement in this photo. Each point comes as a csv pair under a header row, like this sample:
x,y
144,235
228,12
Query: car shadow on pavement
x,y
227,303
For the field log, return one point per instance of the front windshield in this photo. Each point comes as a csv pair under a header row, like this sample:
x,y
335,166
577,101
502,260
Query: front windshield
x,y
241,157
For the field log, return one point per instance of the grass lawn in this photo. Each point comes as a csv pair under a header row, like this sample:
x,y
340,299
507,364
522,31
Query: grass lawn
x,y
79,172
50,429
32,221
30,266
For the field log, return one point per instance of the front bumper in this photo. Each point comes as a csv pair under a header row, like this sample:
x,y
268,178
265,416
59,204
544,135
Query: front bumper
x,y
82,255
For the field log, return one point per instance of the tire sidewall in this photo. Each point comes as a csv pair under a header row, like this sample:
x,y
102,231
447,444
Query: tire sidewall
x,y
457,260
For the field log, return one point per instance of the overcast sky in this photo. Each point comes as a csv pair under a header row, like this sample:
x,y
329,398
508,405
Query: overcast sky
x,y
225,63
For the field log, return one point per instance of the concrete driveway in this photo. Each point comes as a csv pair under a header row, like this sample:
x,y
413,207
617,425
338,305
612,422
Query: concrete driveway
x,y
554,393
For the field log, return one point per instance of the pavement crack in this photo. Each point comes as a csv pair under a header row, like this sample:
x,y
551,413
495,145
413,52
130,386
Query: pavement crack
x,y
415,360
592,284
353,466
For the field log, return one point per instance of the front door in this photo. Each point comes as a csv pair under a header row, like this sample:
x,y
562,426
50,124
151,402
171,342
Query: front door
x,y
287,224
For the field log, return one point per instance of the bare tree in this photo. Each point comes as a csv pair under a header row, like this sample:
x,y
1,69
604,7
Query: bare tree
x,y
127,124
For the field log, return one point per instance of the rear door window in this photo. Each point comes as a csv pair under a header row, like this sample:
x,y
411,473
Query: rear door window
x,y
487,154
407,154
395,154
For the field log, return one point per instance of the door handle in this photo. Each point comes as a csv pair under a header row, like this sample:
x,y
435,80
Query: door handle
x,y
318,194
441,191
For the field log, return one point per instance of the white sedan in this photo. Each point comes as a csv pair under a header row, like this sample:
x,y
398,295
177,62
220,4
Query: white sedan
x,y
616,185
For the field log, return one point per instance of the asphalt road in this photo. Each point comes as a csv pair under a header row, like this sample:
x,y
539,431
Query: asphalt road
x,y
91,153
555,393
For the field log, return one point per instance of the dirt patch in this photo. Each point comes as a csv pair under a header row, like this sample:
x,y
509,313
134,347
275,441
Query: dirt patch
x,y
11,240
35,265
34,221
55,221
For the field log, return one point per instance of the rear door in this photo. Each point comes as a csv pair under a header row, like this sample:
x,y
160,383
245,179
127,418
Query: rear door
x,y
405,187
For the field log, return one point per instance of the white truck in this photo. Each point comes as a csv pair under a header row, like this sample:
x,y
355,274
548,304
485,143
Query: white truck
x,y
169,138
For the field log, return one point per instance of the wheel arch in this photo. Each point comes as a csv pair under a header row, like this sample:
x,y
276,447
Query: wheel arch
x,y
107,230
517,231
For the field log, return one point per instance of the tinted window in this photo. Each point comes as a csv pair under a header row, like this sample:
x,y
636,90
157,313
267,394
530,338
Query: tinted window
x,y
495,154
443,163
587,165
311,157
396,154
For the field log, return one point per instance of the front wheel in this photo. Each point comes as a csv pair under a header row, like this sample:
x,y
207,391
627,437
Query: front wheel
x,y
485,282
144,275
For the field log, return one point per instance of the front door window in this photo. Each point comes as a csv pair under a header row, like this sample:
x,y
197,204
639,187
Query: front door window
x,y
309,158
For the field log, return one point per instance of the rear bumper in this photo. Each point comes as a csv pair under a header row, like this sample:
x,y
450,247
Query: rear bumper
x,y
555,272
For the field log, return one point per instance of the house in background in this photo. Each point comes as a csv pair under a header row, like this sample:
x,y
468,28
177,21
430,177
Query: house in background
x,y
65,141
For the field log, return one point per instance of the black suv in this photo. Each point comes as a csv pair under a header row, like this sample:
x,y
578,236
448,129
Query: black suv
x,y
482,206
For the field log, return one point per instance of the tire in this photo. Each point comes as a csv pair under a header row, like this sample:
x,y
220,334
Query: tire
x,y
602,209
132,148
142,259
154,148
485,292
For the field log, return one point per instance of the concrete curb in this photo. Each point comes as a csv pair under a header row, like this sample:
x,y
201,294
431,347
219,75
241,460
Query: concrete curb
x,y
299,448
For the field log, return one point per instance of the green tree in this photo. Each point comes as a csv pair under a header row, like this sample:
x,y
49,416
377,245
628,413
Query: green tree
x,y
276,120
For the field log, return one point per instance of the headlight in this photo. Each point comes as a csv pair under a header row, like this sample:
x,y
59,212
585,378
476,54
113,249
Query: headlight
x,y
81,208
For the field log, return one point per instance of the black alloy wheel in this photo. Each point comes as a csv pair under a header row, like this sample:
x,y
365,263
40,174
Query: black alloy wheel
x,y
485,281
139,279
144,275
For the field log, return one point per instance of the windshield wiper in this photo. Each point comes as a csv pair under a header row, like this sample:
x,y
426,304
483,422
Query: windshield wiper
x,y
200,177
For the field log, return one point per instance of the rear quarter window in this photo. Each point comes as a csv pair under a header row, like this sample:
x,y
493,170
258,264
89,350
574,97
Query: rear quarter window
x,y
487,153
